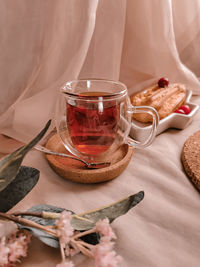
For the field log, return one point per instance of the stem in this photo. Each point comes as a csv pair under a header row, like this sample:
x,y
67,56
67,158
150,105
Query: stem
x,y
26,222
47,215
43,214
90,246
62,251
28,213
90,231
83,249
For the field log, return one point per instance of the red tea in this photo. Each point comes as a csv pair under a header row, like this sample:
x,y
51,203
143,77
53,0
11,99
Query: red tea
x,y
92,125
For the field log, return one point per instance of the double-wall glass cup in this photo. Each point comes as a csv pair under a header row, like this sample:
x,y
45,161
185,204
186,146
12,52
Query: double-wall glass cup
x,y
93,118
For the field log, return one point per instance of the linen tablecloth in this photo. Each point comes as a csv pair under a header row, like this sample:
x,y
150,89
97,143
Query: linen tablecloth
x,y
163,230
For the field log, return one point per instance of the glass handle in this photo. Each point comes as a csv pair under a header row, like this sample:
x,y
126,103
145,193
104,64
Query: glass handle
x,y
155,120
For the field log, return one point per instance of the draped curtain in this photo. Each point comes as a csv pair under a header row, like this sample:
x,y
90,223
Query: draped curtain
x,y
45,43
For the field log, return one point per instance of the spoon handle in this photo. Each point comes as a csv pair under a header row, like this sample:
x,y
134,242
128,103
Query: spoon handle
x,y
90,165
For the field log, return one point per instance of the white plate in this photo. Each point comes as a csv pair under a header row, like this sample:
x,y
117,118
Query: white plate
x,y
140,131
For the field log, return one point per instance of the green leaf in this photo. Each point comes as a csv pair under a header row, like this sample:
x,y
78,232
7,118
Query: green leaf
x,y
10,164
83,221
43,236
111,211
25,180
46,238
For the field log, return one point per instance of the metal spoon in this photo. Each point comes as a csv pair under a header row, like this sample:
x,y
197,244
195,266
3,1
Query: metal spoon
x,y
90,165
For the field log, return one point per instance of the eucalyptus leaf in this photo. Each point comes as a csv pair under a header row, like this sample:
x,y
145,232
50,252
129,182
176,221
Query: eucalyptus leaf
x,y
83,221
24,181
43,236
10,164
78,223
47,238
42,208
47,208
111,211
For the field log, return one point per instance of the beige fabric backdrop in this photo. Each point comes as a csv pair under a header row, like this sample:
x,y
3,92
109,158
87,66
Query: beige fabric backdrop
x,y
46,42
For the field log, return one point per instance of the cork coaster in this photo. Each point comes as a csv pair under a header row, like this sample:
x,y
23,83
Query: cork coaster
x,y
76,171
191,158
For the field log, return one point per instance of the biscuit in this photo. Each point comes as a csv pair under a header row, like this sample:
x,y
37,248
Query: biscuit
x,y
165,100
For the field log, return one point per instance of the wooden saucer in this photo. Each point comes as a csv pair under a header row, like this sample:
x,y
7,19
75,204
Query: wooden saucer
x,y
191,158
76,171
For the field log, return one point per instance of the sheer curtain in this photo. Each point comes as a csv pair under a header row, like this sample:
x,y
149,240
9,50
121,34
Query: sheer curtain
x,y
45,43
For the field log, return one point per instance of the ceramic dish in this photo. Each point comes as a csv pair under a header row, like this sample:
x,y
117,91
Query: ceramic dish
x,y
140,131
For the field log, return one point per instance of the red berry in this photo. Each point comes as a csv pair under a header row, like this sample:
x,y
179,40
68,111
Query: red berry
x,y
186,109
163,82
181,111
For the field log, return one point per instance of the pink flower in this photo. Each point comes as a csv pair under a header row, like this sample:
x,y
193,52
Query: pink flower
x,y
13,248
72,250
18,245
103,254
104,228
65,264
4,251
103,247
64,228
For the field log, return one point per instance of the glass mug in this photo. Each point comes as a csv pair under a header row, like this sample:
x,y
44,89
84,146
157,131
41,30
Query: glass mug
x,y
93,118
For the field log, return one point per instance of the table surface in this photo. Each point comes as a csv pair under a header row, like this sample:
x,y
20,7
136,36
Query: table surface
x,y
163,230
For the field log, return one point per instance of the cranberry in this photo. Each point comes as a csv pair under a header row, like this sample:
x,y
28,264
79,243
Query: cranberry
x,y
185,108
163,82
181,111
